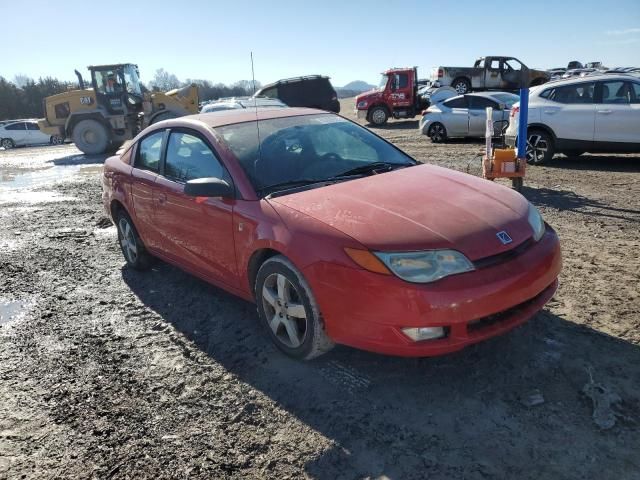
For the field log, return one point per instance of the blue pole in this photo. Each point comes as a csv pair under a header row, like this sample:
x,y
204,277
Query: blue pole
x,y
524,120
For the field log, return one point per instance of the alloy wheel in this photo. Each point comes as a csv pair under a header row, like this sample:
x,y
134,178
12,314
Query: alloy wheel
x,y
437,133
286,314
537,148
7,143
128,240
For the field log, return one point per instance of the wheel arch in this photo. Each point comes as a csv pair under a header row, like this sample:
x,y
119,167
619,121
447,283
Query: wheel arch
x,y
543,127
255,262
461,77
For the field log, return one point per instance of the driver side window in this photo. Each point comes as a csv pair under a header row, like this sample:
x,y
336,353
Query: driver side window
x,y
189,157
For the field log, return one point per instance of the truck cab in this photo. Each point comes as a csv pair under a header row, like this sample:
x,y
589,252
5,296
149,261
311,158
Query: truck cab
x,y
396,96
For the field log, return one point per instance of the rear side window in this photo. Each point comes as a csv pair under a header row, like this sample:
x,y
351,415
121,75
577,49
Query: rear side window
x,y
149,152
480,103
189,157
635,88
572,94
616,92
457,102
32,126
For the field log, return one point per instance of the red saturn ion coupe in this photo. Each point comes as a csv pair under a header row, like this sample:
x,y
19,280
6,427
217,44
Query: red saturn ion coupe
x,y
337,235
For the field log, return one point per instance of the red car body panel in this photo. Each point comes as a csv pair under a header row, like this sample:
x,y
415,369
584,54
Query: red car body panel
x,y
416,208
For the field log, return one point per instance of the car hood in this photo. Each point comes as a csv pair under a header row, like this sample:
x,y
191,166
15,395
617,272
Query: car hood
x,y
369,96
418,208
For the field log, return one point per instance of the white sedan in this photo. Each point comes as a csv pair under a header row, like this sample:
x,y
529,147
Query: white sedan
x,y
25,132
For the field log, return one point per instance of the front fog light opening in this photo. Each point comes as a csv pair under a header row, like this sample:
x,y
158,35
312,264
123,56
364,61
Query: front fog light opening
x,y
417,334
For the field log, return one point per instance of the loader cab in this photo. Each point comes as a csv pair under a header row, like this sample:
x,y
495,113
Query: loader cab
x,y
117,87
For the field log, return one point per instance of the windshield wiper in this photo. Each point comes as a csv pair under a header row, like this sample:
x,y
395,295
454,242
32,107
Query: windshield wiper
x,y
301,182
372,167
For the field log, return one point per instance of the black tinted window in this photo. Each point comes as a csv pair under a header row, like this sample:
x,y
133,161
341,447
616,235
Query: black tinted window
x,y
576,93
32,126
189,157
16,126
480,103
402,80
617,91
457,102
149,152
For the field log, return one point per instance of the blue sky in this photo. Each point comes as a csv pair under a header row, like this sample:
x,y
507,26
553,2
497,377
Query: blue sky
x,y
347,40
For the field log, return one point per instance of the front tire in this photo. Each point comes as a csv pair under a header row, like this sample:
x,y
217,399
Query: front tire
x,y
162,116
540,147
91,136
56,140
7,143
378,116
437,133
288,310
131,245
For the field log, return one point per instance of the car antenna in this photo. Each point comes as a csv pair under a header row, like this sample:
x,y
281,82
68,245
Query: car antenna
x,y
255,105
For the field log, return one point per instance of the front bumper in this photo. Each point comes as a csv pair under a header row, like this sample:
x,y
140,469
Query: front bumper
x,y
472,307
361,114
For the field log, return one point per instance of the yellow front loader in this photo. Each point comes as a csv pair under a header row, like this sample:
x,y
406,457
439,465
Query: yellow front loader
x,y
113,109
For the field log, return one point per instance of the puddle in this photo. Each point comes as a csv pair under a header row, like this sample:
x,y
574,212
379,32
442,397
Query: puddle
x,y
18,178
14,196
11,311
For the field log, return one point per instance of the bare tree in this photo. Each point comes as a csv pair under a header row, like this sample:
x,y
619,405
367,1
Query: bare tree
x,y
20,80
164,81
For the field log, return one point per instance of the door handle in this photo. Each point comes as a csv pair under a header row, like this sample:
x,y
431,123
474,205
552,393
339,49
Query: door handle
x,y
605,112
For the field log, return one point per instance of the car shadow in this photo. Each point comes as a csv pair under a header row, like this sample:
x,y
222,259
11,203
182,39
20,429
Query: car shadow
x,y
507,405
397,125
569,200
79,159
603,163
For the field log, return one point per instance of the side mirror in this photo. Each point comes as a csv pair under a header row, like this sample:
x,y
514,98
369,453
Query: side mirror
x,y
208,187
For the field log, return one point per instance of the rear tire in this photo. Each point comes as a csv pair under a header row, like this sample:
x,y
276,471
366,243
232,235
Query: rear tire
x,y
437,133
162,116
540,147
91,136
461,85
7,143
288,310
378,116
133,250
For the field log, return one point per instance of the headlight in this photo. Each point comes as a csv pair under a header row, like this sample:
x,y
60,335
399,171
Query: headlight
x,y
536,222
425,267
362,104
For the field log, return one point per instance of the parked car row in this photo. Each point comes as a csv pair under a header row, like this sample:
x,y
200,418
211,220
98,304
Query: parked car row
x,y
17,133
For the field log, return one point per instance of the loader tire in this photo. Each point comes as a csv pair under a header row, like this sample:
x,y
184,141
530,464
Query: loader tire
x,y
91,136
162,116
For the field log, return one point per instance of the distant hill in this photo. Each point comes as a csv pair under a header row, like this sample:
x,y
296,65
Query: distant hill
x,y
352,89
358,86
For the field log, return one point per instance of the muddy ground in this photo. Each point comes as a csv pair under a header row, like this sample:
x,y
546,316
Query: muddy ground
x,y
110,373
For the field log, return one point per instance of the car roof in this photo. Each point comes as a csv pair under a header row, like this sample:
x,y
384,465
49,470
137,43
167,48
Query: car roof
x,y
294,80
590,78
229,117
488,94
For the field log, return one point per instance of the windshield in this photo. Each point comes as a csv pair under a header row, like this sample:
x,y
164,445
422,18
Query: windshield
x,y
304,148
383,81
132,81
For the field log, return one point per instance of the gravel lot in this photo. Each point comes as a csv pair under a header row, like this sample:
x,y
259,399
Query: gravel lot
x,y
110,373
